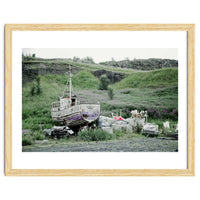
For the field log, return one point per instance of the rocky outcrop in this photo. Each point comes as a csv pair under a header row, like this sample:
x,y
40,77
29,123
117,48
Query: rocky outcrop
x,y
143,64
28,74
112,76
31,69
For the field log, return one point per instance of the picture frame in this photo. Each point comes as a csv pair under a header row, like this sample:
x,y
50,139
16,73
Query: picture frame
x,y
189,171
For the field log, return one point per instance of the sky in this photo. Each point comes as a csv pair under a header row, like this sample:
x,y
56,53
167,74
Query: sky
x,y
104,54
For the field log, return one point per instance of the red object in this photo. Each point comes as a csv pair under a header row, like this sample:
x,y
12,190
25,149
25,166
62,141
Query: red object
x,y
118,118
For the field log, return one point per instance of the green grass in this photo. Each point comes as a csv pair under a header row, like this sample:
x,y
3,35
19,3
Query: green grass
x,y
156,90
39,135
94,135
130,99
36,109
27,140
153,79
85,80
160,122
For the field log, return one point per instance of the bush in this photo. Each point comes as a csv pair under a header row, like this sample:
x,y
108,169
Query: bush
x,y
118,134
36,89
32,92
110,93
95,135
104,82
26,140
38,86
38,136
169,113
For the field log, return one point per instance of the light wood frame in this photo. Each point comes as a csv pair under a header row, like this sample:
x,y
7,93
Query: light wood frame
x,y
190,171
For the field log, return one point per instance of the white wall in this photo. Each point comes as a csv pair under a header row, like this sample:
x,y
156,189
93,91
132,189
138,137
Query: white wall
x,y
90,11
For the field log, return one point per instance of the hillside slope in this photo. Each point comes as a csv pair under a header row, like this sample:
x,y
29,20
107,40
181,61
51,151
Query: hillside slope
x,y
156,91
154,79
143,64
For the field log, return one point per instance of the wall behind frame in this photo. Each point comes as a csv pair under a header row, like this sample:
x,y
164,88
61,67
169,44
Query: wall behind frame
x,y
154,11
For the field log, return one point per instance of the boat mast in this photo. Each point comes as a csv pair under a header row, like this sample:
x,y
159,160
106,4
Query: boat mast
x,y
68,87
70,84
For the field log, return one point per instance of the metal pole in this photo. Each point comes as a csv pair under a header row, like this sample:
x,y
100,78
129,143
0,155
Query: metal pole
x,y
70,85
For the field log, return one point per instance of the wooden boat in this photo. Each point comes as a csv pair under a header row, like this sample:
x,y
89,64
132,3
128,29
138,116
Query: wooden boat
x,y
70,112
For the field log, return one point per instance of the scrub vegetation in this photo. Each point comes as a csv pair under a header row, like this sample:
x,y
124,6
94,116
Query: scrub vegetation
x,y
154,89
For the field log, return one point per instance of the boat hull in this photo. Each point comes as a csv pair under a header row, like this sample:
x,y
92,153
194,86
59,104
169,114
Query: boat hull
x,y
78,115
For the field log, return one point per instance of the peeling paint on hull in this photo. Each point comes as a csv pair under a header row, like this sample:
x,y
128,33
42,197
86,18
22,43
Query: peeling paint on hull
x,y
77,115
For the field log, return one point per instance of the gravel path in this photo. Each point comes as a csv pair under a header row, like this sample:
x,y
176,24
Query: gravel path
x,y
128,145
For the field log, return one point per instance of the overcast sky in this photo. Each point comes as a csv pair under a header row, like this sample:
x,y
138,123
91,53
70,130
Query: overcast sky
x,y
104,54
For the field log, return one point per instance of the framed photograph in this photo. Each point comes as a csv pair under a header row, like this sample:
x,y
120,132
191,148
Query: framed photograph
x,y
99,99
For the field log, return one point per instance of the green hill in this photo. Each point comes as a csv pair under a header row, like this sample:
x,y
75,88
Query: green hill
x,y
156,90
55,66
153,79
36,108
82,80
85,80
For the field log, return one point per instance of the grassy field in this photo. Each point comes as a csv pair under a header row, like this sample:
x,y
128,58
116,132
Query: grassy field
x,y
155,91
153,79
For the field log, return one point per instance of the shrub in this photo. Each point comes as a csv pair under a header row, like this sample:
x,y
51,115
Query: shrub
x,y
26,140
104,82
163,113
36,89
86,135
38,86
32,92
38,136
125,113
118,134
110,93
94,135
101,135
